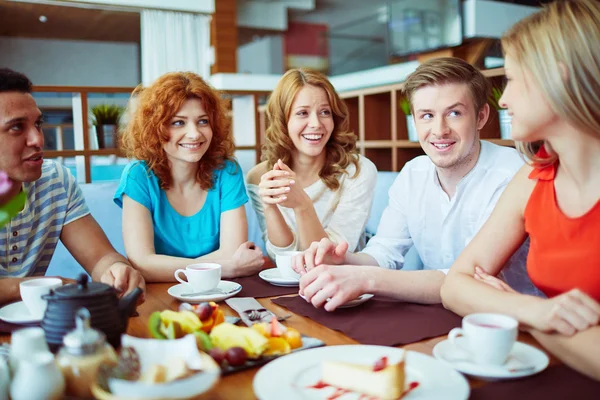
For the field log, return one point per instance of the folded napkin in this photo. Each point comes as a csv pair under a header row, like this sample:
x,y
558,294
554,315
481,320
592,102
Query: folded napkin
x,y
250,310
254,286
559,382
380,321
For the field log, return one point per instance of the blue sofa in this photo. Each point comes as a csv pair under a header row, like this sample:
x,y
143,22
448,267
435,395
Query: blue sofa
x,y
99,200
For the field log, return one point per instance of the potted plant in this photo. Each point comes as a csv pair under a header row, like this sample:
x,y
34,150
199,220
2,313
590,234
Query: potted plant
x,y
410,121
105,117
503,116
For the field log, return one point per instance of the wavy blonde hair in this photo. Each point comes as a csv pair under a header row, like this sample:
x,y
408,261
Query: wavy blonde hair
x,y
147,131
340,149
561,39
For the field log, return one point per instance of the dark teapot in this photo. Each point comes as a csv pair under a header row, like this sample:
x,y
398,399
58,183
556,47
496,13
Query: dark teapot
x,y
108,314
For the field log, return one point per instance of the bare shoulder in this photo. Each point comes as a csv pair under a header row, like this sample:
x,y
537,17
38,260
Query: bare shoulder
x,y
520,187
256,173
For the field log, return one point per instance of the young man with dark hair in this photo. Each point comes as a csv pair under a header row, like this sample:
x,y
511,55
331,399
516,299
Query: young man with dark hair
x,y
54,208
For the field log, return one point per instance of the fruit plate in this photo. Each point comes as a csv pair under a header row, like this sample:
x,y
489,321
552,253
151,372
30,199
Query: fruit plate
x,y
308,342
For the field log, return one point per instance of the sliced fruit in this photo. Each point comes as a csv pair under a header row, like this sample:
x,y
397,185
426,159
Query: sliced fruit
x,y
172,330
276,327
203,341
217,354
187,320
154,324
204,311
226,336
263,328
276,347
293,337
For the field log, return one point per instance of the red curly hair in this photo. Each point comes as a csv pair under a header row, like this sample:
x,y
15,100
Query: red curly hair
x,y
147,131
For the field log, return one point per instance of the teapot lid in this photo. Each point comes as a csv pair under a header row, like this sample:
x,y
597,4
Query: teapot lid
x,y
83,289
84,339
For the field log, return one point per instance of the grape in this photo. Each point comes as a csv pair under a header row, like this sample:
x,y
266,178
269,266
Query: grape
x,y
204,311
236,356
217,354
186,307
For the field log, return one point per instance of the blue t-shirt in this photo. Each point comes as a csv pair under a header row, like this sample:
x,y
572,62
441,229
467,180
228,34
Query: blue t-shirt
x,y
174,234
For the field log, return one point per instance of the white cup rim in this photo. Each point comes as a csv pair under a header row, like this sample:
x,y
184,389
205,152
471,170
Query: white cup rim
x,y
505,322
30,283
207,266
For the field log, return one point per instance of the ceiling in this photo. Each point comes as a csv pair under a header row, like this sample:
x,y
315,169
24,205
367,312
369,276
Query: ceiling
x,y
23,20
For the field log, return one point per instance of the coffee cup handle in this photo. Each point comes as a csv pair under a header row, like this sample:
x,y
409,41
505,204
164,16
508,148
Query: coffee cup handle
x,y
178,278
454,333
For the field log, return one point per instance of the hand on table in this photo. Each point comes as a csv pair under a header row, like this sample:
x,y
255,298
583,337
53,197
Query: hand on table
x,y
124,278
322,252
248,259
339,283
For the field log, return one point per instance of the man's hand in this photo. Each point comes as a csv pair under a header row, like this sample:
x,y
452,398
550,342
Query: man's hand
x,y
124,278
339,284
321,252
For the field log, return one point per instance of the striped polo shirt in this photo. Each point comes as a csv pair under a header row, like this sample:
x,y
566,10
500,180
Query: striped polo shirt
x,y
28,241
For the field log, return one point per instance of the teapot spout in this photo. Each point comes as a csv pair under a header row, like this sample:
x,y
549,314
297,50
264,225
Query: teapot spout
x,y
127,304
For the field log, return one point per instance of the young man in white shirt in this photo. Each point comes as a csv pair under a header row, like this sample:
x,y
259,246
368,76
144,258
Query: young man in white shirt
x,y
437,203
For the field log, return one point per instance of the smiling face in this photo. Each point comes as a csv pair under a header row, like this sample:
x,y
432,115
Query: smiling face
x,y
190,133
21,137
310,123
528,123
447,124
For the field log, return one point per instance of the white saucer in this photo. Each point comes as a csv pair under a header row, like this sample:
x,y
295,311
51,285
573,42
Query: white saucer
x,y
521,356
230,288
353,303
17,313
273,276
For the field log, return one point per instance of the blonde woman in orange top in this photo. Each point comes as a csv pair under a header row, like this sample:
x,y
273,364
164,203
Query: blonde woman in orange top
x,y
553,70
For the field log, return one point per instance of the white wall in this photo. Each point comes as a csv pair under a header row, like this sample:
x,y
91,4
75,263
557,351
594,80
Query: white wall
x,y
71,62
262,56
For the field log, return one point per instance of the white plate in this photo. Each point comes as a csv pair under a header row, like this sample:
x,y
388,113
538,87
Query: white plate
x,y
521,356
231,288
353,303
288,377
273,276
17,313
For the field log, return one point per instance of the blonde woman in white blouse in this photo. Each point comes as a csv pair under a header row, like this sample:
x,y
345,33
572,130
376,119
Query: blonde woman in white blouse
x,y
312,184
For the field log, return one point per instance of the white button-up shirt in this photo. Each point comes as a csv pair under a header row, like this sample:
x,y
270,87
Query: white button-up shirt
x,y
420,213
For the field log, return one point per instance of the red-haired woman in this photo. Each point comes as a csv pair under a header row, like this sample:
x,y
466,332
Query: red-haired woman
x,y
183,197
313,184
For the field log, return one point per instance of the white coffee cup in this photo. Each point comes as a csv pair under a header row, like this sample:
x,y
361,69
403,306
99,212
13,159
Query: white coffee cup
x,y
284,264
489,337
32,291
201,277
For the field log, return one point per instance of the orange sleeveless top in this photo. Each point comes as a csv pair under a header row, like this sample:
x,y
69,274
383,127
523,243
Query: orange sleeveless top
x,y
564,253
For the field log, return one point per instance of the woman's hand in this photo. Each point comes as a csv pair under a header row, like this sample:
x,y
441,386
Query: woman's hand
x,y
248,259
295,198
274,186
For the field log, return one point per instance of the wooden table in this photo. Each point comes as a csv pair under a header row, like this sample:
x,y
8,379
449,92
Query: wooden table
x,y
238,386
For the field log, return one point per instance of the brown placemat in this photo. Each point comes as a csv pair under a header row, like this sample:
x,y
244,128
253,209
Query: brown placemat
x,y
380,321
560,382
254,286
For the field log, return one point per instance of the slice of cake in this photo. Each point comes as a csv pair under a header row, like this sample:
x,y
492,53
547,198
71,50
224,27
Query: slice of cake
x,y
384,381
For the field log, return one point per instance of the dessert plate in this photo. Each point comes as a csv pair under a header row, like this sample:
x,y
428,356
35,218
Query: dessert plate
x,y
523,360
228,289
273,276
289,377
352,303
17,313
